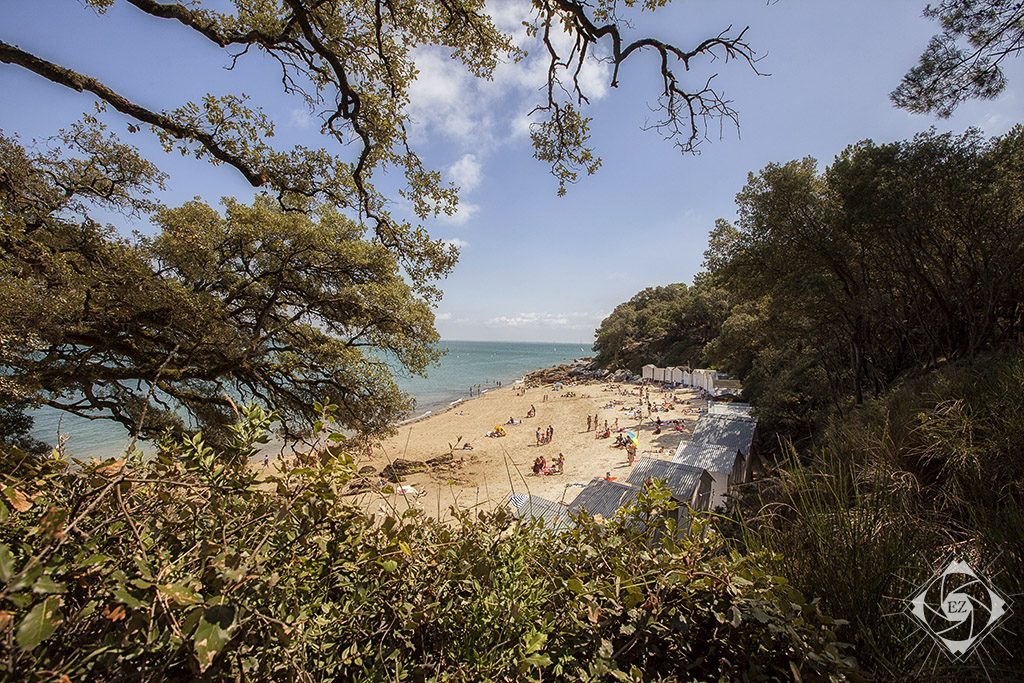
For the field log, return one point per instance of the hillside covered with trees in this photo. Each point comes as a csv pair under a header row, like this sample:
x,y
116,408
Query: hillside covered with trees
x,y
835,283
874,311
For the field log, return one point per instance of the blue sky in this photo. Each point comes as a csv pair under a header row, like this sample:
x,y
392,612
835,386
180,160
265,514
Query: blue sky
x,y
535,266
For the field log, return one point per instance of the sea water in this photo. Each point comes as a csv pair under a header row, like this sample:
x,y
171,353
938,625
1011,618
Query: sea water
x,y
467,363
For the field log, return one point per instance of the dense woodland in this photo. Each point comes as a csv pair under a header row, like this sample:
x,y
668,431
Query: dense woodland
x,y
835,283
872,308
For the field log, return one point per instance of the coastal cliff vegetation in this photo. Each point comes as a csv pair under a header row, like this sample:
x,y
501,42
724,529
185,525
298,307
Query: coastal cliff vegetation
x,y
874,311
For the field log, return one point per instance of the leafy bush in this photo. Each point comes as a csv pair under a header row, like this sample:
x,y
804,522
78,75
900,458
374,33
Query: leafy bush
x,y
930,469
191,566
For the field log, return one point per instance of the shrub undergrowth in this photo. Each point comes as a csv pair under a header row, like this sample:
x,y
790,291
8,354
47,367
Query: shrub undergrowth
x,y
191,566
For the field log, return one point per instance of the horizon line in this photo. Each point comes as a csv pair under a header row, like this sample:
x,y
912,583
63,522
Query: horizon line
x,y
519,341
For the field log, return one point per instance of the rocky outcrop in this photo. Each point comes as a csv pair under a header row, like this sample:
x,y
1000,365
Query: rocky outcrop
x,y
401,467
580,370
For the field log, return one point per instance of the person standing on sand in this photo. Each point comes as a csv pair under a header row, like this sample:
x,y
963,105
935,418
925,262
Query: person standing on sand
x,y
588,423
538,436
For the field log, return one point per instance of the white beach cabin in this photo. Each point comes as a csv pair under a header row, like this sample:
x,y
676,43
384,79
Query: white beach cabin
x,y
647,372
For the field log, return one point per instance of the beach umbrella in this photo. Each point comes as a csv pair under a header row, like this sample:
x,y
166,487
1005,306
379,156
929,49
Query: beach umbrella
x,y
633,437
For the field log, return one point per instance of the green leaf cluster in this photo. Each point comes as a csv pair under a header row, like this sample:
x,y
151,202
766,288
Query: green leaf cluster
x,y
184,567
218,307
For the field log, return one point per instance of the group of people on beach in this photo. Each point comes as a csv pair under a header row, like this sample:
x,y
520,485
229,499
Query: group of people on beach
x,y
475,390
546,436
540,465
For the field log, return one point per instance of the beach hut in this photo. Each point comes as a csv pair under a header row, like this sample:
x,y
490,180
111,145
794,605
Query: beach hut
x,y
647,372
688,485
670,374
551,513
659,374
733,431
602,497
722,464
687,378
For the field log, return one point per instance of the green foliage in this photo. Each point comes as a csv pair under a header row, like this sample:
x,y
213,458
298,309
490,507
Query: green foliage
x,y
832,285
669,325
896,257
963,61
189,565
250,303
929,469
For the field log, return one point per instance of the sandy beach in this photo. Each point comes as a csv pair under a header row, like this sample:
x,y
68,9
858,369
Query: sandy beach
x,y
495,467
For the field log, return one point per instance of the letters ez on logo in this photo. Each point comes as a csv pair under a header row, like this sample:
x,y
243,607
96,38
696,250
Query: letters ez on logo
x,y
958,607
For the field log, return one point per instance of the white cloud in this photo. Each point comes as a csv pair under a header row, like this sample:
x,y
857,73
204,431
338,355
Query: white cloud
x,y
443,316
301,118
466,172
573,321
457,243
479,114
462,214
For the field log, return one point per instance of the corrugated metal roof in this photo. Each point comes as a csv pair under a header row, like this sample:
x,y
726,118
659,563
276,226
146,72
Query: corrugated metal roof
x,y
711,457
734,431
730,408
602,497
681,479
525,506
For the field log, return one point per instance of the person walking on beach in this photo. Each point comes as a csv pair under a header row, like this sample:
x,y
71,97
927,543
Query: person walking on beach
x,y
588,423
538,436
551,433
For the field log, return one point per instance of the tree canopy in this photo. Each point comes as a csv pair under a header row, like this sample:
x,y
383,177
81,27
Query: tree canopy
x,y
254,303
964,60
833,284
669,325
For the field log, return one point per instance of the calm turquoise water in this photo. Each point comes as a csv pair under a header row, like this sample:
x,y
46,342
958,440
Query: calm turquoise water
x,y
467,363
